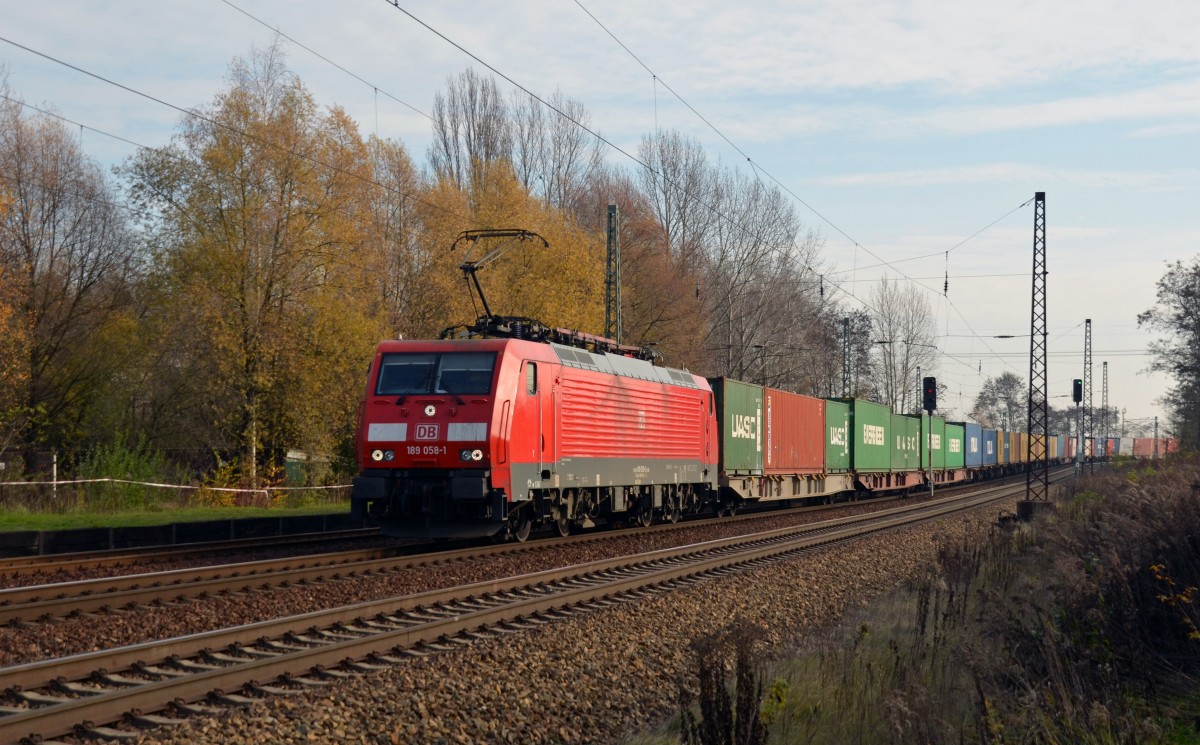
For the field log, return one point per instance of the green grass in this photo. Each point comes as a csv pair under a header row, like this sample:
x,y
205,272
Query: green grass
x,y
16,520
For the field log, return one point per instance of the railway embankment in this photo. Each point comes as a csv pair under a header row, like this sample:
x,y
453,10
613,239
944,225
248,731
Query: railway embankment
x,y
599,677
1081,628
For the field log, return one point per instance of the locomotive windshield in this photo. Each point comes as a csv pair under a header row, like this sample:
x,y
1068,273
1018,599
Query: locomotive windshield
x,y
417,373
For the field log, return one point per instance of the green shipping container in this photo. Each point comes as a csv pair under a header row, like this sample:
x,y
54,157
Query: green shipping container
x,y
740,412
955,444
837,436
905,442
870,425
933,442
935,456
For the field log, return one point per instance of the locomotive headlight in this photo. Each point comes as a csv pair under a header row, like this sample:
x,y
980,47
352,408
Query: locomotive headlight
x,y
389,455
476,455
430,410
464,455
377,455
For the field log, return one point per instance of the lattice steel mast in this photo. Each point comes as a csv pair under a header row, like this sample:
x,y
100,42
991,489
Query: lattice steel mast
x,y
1104,417
612,277
1037,469
846,357
1088,424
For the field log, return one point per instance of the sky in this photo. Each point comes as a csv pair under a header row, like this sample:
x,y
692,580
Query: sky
x,y
903,129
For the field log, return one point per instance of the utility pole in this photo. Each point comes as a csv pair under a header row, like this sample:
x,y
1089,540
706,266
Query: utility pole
x,y
1156,437
1089,430
1037,476
612,277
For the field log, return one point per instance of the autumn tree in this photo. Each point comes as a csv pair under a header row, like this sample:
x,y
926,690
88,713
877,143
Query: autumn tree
x,y
904,330
761,297
1177,317
66,264
862,352
262,205
1003,402
681,187
472,131
554,157
496,165
13,372
752,261
659,297
404,266
561,286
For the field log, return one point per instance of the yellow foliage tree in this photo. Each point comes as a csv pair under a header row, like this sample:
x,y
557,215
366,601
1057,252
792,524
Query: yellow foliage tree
x,y
264,215
68,265
14,339
561,286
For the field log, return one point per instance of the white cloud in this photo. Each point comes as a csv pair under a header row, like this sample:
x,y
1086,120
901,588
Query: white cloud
x,y
960,45
1018,173
1167,130
1177,99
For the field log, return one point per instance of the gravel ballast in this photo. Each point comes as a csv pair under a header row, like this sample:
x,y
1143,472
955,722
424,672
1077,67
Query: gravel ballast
x,y
592,679
94,632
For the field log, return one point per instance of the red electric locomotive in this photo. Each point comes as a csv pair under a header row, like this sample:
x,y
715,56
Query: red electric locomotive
x,y
478,436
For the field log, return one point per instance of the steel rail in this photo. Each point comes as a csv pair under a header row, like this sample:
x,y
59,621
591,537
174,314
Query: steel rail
x,y
430,616
14,566
21,565
31,603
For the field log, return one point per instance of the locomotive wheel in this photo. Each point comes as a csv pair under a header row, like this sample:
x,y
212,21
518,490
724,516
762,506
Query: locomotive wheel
x,y
644,518
562,525
560,514
520,526
671,513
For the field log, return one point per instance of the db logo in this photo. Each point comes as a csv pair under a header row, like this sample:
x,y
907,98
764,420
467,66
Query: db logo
x,y
426,432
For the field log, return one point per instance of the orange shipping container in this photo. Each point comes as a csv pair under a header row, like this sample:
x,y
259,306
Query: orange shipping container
x,y
794,430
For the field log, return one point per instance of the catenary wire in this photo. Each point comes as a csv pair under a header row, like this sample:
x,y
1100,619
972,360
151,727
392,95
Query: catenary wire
x,y
780,184
235,130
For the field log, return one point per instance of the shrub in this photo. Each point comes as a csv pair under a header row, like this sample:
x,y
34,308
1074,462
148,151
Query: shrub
x,y
127,460
738,719
1081,628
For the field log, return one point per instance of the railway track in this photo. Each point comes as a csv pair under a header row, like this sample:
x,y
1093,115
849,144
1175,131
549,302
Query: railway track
x,y
16,566
57,696
132,592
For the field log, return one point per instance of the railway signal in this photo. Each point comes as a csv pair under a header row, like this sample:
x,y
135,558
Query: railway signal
x,y
929,387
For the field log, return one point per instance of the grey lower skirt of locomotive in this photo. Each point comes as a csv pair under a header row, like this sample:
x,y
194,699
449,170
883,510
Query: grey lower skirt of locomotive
x,y
458,503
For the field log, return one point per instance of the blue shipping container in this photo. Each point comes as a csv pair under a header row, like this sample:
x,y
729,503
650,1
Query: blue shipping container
x,y
989,447
972,443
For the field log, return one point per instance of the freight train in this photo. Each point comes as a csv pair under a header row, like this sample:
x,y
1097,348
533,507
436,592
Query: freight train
x,y
499,436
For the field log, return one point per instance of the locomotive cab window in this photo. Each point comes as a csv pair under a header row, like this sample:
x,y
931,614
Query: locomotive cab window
x,y
530,378
417,373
